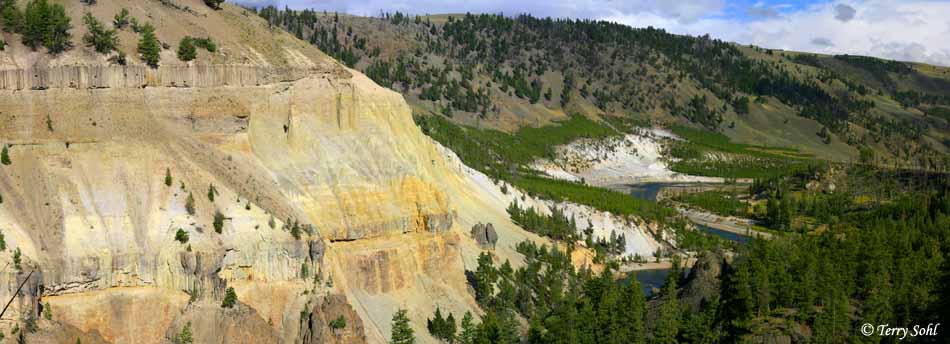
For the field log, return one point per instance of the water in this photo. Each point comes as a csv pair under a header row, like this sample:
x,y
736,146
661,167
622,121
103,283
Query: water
x,y
650,279
739,238
648,191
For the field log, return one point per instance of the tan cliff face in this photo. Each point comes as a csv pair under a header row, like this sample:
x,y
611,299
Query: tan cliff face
x,y
288,139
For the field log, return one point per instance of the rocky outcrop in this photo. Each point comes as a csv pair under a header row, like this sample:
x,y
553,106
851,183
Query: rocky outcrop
x,y
484,235
213,324
284,135
633,158
117,76
330,320
703,282
700,287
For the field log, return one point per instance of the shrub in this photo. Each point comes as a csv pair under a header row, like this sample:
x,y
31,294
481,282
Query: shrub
x,y
230,298
149,46
118,59
47,311
190,204
168,177
215,4
295,230
206,43
5,156
181,236
211,192
338,323
102,39
218,221
17,258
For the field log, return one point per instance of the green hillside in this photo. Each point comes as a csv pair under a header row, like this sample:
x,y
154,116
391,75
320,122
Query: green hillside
x,y
509,72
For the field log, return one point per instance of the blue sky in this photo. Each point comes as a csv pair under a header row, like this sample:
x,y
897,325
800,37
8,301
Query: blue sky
x,y
910,30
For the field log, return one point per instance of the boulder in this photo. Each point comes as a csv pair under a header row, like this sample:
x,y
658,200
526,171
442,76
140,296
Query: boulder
x,y
485,235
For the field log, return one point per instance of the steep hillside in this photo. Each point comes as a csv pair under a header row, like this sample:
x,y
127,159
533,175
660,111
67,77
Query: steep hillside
x,y
510,72
134,198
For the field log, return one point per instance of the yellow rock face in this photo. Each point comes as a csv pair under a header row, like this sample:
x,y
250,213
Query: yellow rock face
x,y
289,143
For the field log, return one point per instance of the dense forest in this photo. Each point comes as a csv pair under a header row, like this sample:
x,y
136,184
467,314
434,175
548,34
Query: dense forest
x,y
886,263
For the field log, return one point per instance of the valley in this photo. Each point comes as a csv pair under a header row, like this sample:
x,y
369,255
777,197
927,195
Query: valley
x,y
185,171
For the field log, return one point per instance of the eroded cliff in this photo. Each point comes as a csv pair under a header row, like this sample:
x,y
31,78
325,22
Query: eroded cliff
x,y
331,201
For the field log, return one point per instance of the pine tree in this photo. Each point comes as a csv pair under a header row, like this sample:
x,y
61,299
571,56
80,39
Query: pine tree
x,y
667,326
10,16
149,47
435,324
56,36
168,177
47,25
101,39
230,298
186,49
485,277
738,303
500,327
211,192
631,309
442,328
185,336
448,331
401,332
121,19
467,335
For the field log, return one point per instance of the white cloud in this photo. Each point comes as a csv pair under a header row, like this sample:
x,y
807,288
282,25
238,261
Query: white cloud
x,y
913,30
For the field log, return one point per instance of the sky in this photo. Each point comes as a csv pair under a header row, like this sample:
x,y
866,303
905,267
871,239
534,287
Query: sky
x,y
907,30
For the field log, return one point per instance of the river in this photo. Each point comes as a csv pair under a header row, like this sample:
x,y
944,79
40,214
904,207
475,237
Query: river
x,y
654,278
650,279
649,192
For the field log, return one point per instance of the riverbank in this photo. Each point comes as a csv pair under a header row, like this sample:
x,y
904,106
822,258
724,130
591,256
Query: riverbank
x,y
666,263
726,224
